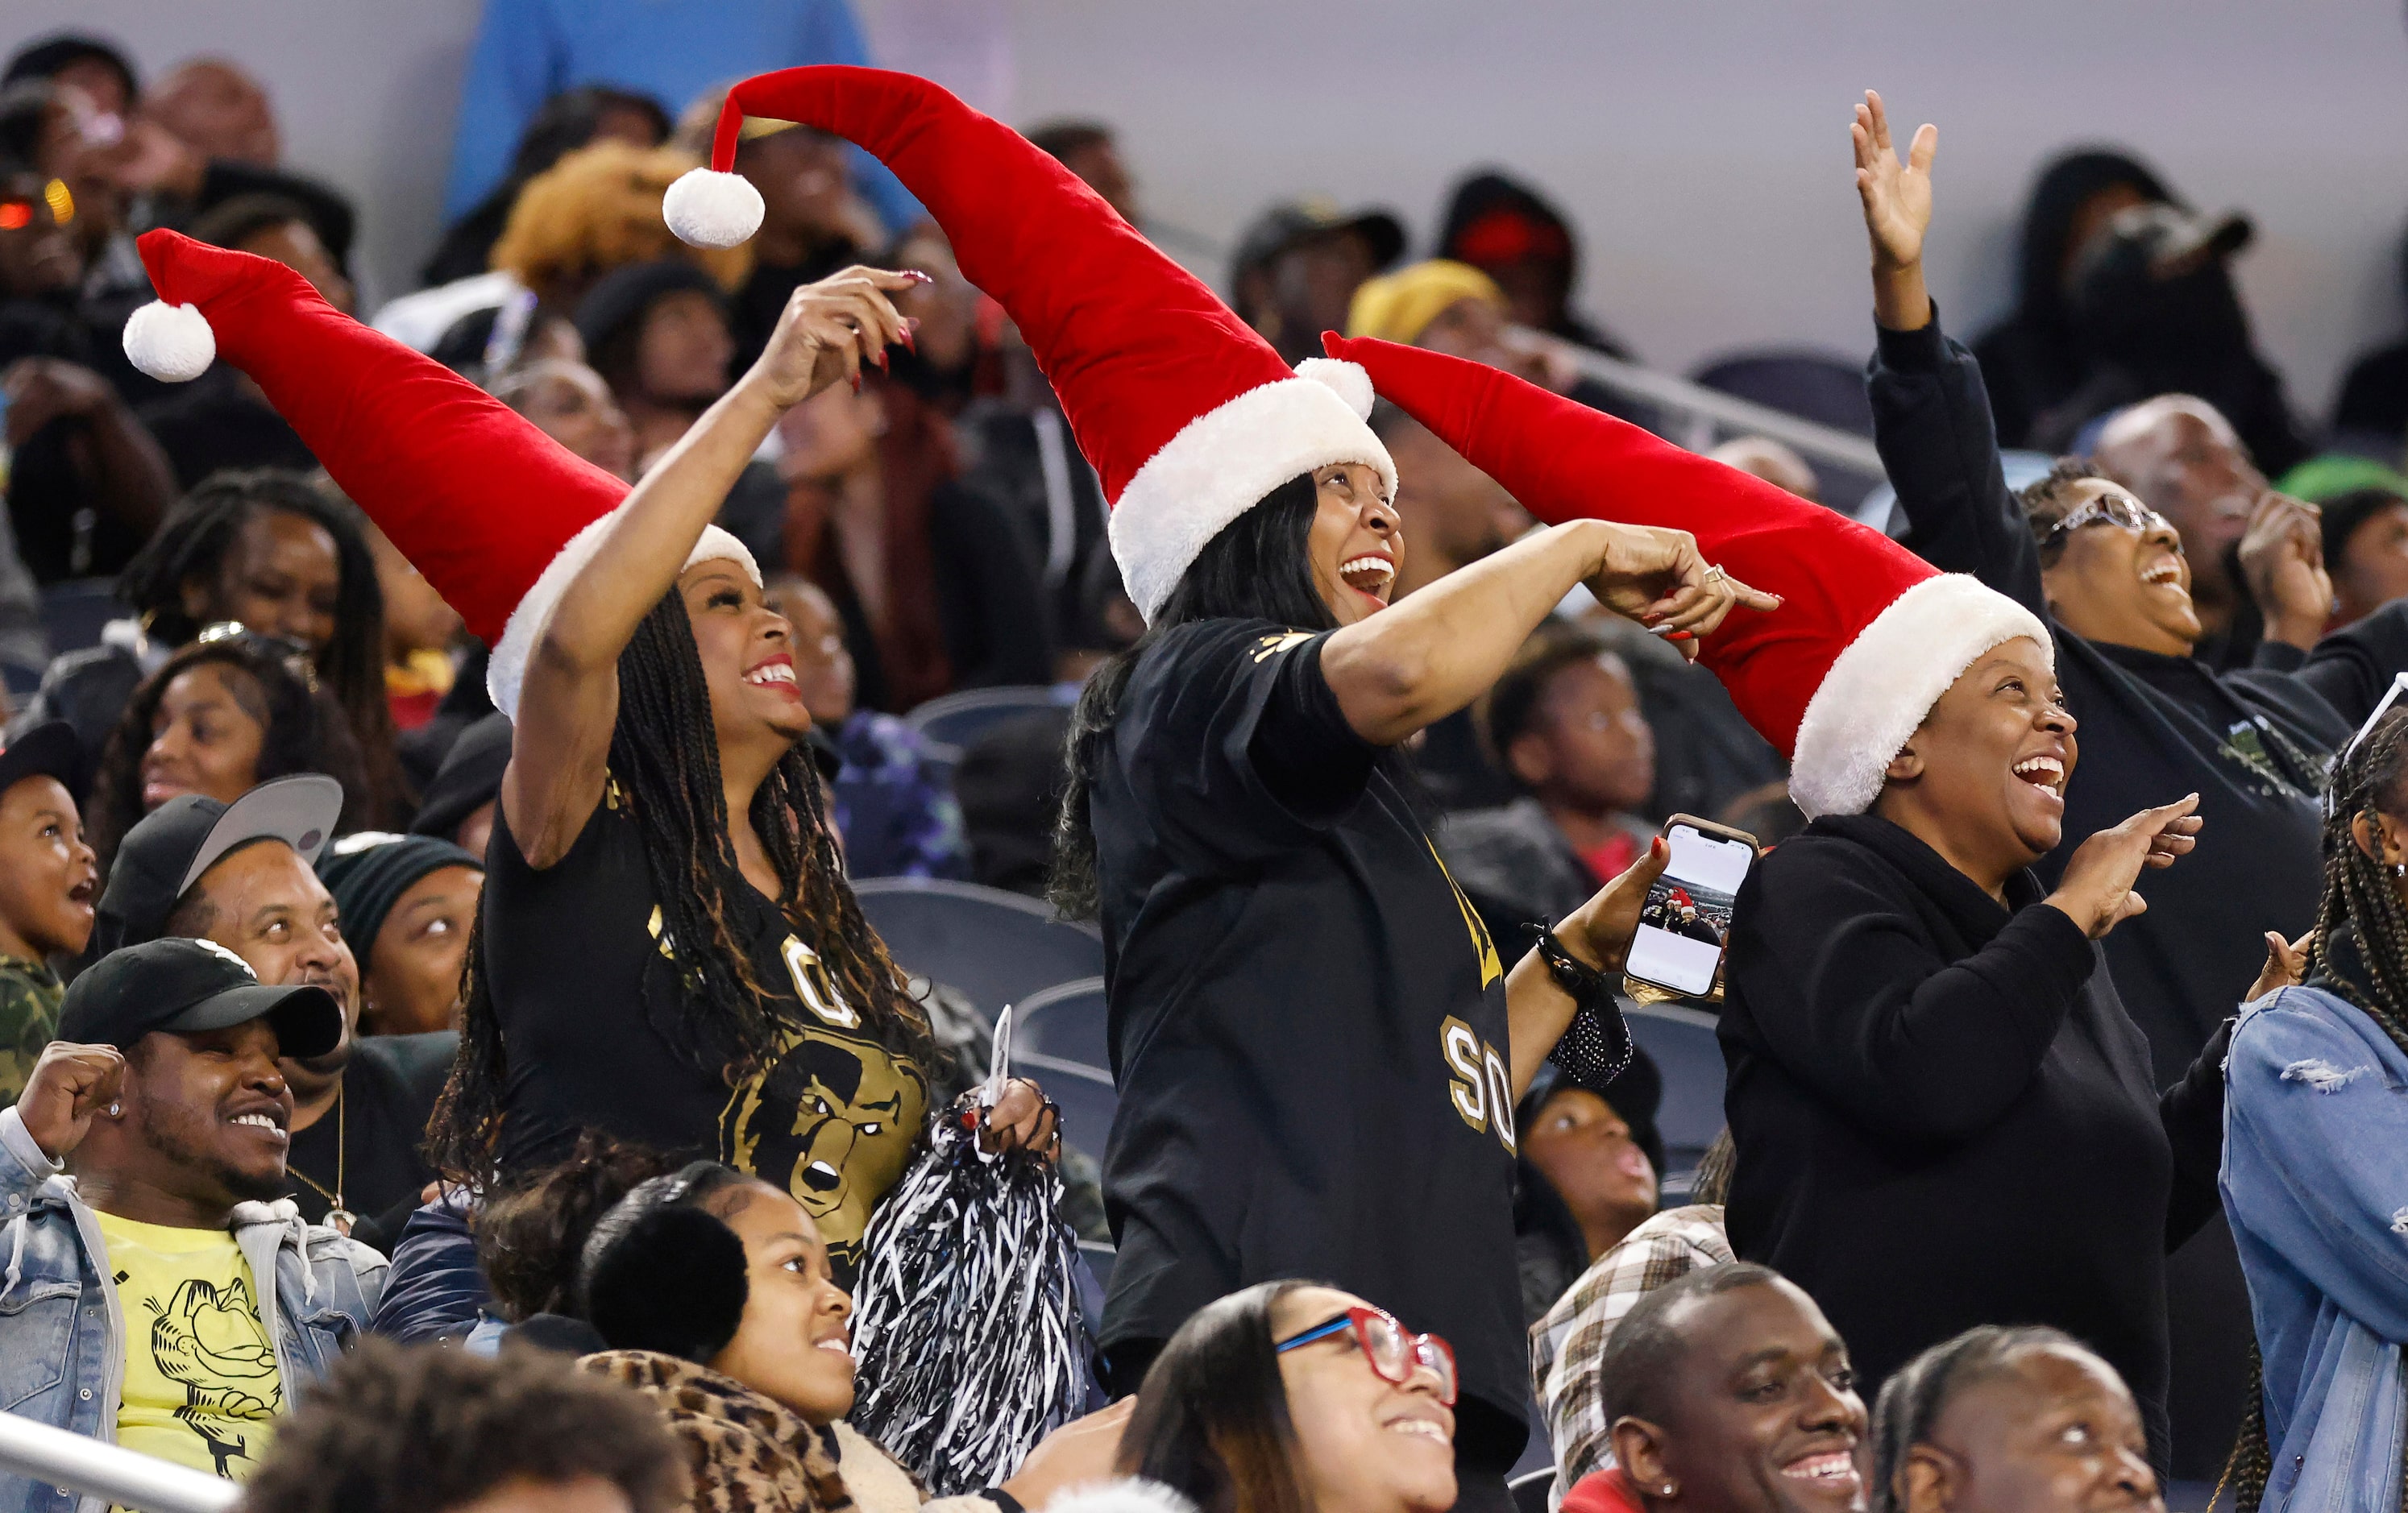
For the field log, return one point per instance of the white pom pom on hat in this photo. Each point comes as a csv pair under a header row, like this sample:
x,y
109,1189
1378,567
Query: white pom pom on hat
x,y
1353,385
705,208
172,343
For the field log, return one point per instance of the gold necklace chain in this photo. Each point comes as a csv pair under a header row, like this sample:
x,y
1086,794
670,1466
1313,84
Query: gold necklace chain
x,y
340,1218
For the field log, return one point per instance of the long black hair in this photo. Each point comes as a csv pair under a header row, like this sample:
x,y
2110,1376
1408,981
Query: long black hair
x,y
301,730
2359,946
1258,567
1211,1422
665,765
531,1233
193,544
1913,1399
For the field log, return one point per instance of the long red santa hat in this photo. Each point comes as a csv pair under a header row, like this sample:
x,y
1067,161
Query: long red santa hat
x,y
1867,636
1189,418
499,517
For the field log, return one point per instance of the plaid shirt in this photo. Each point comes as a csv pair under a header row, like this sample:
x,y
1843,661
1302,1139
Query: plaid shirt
x,y
1564,1344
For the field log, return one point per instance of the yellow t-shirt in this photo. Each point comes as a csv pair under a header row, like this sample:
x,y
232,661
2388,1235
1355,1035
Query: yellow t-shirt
x,y
201,1383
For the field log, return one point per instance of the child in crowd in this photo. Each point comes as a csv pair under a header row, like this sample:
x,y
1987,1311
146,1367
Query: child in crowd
x,y
2010,1417
1562,720
48,878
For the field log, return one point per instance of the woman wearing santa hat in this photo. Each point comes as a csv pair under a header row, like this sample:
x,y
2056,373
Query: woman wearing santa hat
x,y
666,949
1316,1045
1944,1115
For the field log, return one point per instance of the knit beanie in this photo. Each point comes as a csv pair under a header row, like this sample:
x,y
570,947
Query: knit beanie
x,y
367,874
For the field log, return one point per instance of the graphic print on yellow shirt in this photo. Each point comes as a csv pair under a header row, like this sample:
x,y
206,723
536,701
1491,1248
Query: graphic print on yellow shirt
x,y
832,1119
201,1383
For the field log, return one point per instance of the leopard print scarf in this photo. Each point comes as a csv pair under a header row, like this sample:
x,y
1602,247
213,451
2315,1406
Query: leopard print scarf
x,y
745,1453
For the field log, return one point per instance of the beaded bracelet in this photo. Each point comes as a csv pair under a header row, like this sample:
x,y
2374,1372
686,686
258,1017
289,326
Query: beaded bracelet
x,y
1596,1046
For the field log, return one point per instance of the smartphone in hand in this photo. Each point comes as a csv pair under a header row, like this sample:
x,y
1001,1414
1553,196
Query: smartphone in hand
x,y
1684,923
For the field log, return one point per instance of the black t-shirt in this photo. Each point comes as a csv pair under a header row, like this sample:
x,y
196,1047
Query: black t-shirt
x,y
590,999
389,1093
1307,1021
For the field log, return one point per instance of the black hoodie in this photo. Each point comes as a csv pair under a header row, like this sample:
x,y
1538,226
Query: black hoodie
x,y
1483,194
2252,743
1943,1116
2033,359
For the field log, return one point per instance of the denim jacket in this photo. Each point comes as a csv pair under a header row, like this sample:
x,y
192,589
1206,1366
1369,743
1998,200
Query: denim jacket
x,y
2317,1185
62,1336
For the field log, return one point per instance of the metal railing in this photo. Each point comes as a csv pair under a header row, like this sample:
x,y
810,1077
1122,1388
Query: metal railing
x,y
95,1468
1704,410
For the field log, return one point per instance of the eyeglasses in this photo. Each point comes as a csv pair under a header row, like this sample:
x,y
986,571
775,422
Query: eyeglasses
x,y
291,654
2115,508
1392,1351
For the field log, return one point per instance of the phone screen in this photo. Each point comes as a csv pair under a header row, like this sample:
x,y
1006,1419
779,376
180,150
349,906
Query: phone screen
x,y
1686,917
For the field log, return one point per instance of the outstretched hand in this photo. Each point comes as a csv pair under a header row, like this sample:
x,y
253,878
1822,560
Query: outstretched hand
x,y
1599,932
1897,198
2287,966
2097,889
831,328
1659,578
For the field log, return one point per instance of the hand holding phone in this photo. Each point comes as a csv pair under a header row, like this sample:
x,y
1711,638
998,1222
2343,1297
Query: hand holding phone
x,y
1685,922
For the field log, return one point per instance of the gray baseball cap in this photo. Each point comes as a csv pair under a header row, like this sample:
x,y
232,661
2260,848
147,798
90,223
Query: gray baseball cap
x,y
162,857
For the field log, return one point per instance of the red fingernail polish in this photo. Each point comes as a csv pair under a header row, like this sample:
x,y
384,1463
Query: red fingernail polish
x,y
1680,635
856,384
1659,847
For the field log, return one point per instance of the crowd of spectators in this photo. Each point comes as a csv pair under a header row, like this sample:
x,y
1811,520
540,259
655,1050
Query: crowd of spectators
x,y
288,1084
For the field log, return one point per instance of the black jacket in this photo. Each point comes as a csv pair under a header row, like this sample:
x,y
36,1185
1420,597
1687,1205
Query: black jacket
x,y
2252,743
1944,1118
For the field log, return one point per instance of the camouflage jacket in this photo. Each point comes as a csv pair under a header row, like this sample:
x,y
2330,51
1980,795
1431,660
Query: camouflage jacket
x,y
29,1019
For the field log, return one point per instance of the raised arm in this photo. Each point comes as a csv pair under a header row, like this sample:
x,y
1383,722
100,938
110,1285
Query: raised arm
x,y
1931,414
570,701
1436,650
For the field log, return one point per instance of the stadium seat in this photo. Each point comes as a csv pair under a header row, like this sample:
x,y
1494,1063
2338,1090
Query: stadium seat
x,y
995,947
74,612
1094,1281
1683,1043
1067,1021
1083,1094
952,722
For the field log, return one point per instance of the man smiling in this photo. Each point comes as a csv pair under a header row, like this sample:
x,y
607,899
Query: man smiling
x,y
155,1296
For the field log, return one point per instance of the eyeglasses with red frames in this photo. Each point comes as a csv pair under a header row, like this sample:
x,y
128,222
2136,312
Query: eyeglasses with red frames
x,y
1393,1351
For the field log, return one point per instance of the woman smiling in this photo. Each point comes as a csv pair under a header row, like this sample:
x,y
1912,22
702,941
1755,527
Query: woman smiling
x,y
1289,1397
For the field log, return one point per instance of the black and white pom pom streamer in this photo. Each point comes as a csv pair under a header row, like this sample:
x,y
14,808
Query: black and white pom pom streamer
x,y
969,1335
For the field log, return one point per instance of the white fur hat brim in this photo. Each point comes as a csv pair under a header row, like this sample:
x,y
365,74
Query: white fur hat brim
x,y
1885,682
1223,463
506,673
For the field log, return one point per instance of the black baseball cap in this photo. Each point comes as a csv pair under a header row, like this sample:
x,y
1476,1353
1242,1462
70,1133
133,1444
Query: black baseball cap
x,y
469,778
49,750
1285,224
162,857
183,987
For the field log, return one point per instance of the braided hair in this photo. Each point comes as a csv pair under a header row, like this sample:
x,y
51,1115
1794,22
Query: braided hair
x,y
1913,1399
665,761
192,546
2361,900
